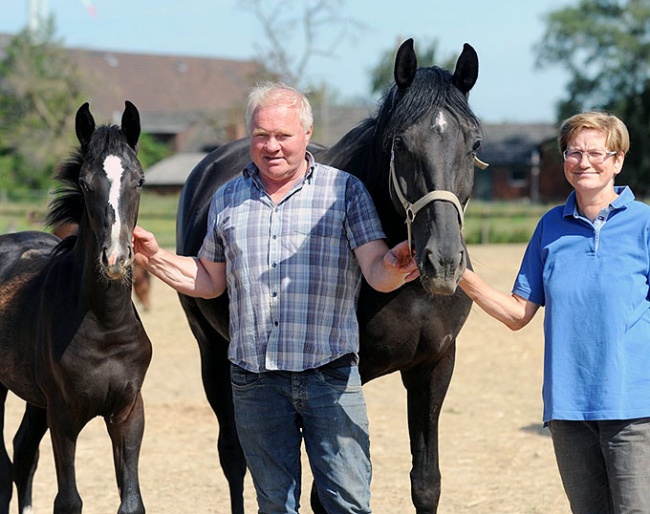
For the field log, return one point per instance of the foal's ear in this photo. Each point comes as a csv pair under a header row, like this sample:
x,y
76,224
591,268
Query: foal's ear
x,y
84,124
466,71
406,64
131,124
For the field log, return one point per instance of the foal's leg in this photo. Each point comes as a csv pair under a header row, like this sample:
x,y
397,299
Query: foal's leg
x,y
6,472
426,389
126,432
64,431
26,442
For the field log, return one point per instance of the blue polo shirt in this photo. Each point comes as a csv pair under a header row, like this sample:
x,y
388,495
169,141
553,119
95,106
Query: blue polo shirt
x,y
592,279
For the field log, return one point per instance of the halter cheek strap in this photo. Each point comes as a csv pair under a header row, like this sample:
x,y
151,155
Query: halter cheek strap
x,y
411,209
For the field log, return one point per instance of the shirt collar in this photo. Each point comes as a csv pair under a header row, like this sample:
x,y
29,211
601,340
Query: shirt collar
x,y
625,197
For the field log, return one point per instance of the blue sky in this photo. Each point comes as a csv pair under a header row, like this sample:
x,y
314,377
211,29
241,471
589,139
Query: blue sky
x,y
503,32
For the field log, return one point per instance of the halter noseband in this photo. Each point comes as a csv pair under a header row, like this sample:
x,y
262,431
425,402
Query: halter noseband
x,y
411,209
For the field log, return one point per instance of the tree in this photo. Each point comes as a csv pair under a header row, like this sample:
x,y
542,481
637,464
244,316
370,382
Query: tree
x,y
40,90
292,37
381,76
605,46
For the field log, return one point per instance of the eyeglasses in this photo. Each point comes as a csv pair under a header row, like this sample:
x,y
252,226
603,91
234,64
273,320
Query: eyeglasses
x,y
594,156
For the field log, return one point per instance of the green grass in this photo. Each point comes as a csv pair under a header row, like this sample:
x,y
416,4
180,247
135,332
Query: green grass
x,y
501,222
485,222
157,214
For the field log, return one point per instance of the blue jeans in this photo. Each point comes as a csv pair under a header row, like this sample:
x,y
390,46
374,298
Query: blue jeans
x,y
604,465
276,410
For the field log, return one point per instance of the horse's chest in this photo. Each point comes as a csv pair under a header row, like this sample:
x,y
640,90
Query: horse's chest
x,y
409,322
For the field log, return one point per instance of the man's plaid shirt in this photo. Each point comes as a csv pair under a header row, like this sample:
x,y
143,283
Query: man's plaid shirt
x,y
293,279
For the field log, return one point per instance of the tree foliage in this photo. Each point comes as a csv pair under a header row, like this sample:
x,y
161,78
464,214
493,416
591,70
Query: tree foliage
x,y
40,90
605,46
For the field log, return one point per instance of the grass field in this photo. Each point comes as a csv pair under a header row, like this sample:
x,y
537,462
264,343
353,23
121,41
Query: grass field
x,y
485,222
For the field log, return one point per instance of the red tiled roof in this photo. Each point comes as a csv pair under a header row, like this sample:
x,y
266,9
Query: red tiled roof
x,y
163,84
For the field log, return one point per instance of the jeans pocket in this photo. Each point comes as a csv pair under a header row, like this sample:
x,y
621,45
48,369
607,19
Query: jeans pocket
x,y
243,380
341,378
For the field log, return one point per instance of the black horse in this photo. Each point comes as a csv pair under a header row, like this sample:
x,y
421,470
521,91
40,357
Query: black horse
x,y
416,157
71,342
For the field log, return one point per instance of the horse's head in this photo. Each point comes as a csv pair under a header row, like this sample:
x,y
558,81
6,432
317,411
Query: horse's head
x,y
432,137
110,179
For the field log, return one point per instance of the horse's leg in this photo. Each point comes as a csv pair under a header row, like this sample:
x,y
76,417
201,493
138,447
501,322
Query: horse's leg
x,y
64,432
215,371
6,473
26,443
126,435
316,505
426,387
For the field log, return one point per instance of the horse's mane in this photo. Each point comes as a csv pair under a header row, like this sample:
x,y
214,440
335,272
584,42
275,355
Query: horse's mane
x,y
431,89
67,204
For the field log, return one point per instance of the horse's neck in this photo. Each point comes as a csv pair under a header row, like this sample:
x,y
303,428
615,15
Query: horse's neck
x,y
110,300
377,181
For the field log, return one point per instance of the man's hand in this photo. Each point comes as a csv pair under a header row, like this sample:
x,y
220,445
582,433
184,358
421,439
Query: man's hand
x,y
400,258
145,245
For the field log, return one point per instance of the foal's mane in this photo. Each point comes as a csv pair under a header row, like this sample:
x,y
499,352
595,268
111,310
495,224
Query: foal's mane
x,y
67,204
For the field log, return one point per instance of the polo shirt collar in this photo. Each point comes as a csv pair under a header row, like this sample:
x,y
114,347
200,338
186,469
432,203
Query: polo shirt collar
x,y
625,197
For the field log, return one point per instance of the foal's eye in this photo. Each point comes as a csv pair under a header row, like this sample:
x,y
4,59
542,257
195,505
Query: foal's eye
x,y
140,183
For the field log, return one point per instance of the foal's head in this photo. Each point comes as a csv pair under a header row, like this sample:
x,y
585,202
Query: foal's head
x,y
100,190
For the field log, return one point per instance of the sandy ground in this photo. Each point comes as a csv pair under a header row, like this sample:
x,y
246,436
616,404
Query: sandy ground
x,y
495,456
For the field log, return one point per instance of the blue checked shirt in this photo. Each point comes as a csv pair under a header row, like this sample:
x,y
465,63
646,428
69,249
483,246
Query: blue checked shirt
x,y
293,279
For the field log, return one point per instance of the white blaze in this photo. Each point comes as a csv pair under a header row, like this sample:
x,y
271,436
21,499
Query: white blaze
x,y
441,122
114,171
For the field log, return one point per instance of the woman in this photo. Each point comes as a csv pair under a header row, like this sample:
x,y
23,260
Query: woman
x,y
588,264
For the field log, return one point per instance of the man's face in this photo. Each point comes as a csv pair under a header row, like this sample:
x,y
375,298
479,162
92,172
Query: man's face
x,y
279,143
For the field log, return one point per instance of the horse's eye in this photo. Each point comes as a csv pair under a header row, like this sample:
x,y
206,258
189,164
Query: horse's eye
x,y
398,144
140,183
84,185
476,146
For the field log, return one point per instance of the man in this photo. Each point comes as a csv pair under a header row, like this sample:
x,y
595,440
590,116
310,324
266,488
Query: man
x,y
289,239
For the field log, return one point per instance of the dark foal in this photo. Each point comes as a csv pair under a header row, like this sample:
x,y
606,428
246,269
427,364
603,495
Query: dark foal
x,y
71,342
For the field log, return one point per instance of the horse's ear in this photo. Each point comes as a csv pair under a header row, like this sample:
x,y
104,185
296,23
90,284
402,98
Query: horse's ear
x,y
466,71
84,124
131,124
406,64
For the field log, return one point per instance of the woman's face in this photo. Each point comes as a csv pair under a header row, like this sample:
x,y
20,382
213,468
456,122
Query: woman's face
x,y
588,165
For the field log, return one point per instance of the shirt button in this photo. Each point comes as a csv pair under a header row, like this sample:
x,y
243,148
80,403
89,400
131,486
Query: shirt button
x,y
273,265
274,294
276,323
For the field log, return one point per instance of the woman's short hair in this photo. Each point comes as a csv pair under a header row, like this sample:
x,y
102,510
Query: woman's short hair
x,y
618,137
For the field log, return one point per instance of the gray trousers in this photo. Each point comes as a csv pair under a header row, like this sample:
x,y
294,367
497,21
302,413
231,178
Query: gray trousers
x,y
604,465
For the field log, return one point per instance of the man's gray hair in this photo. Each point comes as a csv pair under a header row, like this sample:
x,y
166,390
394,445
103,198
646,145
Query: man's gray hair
x,y
278,93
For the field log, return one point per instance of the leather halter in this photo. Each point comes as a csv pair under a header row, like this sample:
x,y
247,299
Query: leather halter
x,y
411,209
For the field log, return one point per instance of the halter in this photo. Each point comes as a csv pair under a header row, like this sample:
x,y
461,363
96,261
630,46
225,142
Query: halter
x,y
411,209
